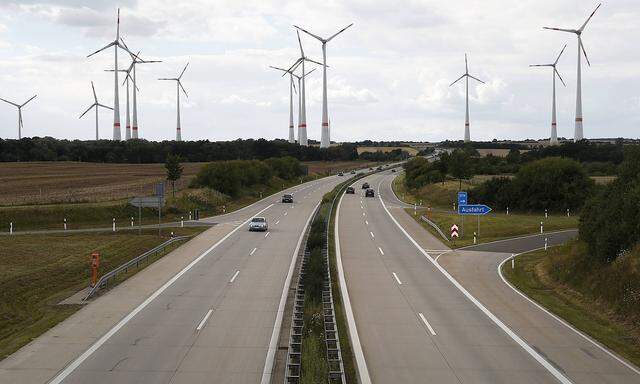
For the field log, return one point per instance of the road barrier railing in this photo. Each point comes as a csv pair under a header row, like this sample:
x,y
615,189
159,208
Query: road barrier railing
x,y
124,268
435,226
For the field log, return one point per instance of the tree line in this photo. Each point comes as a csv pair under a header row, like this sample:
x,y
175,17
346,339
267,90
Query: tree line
x,y
144,151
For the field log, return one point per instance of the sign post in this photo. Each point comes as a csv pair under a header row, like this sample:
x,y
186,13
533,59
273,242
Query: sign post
x,y
147,202
465,209
160,197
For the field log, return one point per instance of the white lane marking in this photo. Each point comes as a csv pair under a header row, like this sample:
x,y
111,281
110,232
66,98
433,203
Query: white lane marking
x,y
364,214
424,320
234,276
440,254
253,251
372,235
85,355
286,213
560,320
266,234
548,366
275,333
366,222
361,363
204,320
277,222
397,279
381,252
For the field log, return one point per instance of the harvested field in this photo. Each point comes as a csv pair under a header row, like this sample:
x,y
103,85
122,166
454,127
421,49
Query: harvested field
x,y
412,151
75,182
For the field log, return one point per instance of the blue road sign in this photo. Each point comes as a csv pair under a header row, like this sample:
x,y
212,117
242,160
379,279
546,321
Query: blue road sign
x,y
462,198
473,209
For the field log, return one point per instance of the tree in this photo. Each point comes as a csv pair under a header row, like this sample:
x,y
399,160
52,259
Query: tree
x,y
174,170
459,166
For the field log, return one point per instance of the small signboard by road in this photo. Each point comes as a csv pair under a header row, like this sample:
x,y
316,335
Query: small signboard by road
x,y
462,198
147,202
454,231
473,209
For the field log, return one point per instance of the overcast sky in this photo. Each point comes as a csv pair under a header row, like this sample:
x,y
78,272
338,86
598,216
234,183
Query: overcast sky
x,y
388,79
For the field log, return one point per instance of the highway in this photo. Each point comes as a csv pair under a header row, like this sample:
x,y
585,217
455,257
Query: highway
x,y
419,320
209,312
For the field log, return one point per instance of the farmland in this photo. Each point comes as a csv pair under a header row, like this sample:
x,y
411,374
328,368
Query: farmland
x,y
412,151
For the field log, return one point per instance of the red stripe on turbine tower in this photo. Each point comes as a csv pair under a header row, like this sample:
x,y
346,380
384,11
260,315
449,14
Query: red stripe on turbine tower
x,y
303,125
579,119
116,124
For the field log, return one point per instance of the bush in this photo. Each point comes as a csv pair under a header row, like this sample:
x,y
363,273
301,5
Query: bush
x,y
230,177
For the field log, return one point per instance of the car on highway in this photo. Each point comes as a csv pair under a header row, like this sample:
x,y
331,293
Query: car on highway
x,y
340,174
287,198
350,190
353,172
393,170
371,169
258,224
365,185
379,168
369,193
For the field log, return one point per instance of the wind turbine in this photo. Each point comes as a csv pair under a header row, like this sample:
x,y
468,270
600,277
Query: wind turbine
x,y
579,133
19,106
325,139
466,76
116,102
554,129
302,126
299,78
292,86
95,104
135,60
128,113
178,86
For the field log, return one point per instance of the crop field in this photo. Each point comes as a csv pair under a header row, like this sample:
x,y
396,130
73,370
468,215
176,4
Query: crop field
x,y
74,182
412,151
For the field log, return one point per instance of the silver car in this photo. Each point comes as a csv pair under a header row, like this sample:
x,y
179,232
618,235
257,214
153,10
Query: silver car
x,y
258,224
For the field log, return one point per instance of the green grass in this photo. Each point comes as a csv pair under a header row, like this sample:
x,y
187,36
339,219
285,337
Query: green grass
x,y
597,318
39,271
493,226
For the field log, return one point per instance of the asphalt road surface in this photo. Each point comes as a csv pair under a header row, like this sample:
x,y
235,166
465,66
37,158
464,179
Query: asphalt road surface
x,y
209,319
418,321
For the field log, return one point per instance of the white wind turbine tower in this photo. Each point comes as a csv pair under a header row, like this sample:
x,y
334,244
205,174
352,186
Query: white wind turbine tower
x,y
554,127
325,139
116,103
19,106
466,76
95,104
299,78
292,138
302,126
579,133
135,60
128,111
178,86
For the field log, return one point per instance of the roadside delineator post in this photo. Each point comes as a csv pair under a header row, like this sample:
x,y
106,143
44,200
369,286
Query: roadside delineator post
x,y
545,243
513,261
132,221
546,214
95,264
11,228
541,227
415,209
114,224
507,211
474,237
65,223
189,215
567,212
181,221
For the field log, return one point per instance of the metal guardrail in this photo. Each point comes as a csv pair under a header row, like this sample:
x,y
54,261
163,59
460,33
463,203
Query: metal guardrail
x,y
431,223
102,282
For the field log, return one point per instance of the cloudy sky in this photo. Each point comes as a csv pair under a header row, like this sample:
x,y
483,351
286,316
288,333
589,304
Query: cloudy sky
x,y
388,79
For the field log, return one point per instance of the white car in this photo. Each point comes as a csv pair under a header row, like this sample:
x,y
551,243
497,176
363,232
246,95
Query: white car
x,y
258,224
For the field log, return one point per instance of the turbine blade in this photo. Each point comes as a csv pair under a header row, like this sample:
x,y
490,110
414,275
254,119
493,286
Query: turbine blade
x,y
541,65
102,49
164,78
7,101
183,90
556,62
118,28
584,51
310,72
88,109
104,106
589,18
310,34
300,43
123,43
294,85
475,78
25,103
94,92
279,69
182,73
560,77
133,55
339,32
466,64
294,66
315,62
561,29
459,78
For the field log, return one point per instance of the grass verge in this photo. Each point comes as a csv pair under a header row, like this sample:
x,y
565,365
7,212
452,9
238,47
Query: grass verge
x,y
595,317
39,271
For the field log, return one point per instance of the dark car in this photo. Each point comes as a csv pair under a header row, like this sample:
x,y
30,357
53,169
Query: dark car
x,y
379,168
393,170
350,190
287,198
340,174
369,193
365,185
353,172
